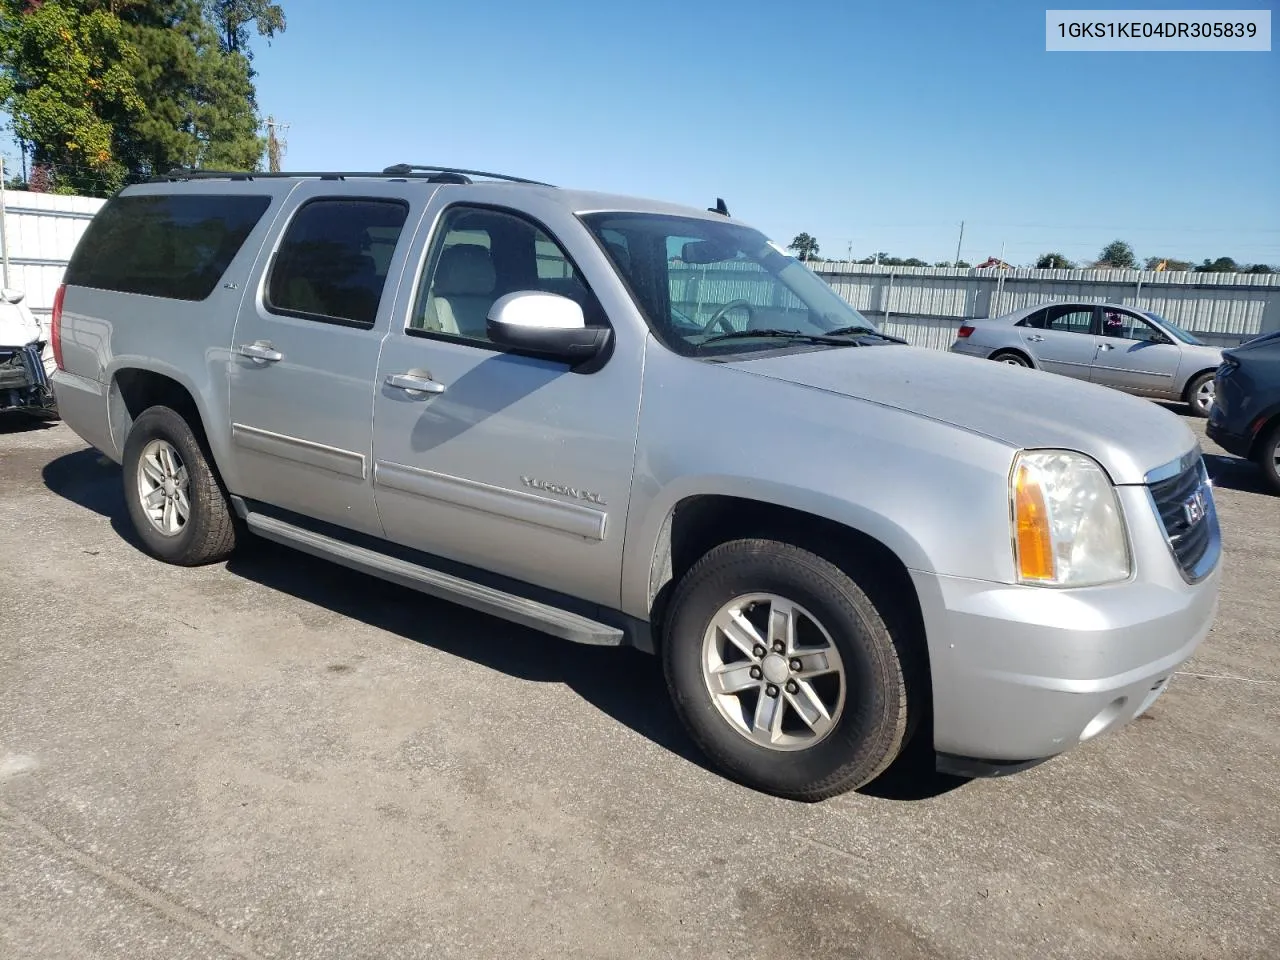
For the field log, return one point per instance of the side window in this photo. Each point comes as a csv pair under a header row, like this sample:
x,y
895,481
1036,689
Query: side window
x,y
333,259
479,255
1034,320
1126,326
172,245
1069,318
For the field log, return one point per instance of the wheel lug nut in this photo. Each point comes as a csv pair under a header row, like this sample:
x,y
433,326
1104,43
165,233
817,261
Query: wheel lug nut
x,y
796,664
771,690
759,651
779,646
756,673
792,686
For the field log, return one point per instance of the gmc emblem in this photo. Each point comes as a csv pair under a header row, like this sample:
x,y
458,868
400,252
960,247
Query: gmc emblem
x,y
1193,508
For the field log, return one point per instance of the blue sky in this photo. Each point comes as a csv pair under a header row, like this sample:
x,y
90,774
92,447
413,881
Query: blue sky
x,y
876,125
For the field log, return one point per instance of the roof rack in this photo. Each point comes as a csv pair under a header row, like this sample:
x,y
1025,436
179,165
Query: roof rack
x,y
404,169
414,171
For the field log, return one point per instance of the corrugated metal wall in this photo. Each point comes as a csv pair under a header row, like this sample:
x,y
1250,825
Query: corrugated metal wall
x,y
924,305
42,230
1223,307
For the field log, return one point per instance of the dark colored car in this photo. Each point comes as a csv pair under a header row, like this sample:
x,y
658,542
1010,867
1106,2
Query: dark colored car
x,y
1245,419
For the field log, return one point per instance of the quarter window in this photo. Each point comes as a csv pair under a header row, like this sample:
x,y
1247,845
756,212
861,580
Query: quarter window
x,y
333,260
482,254
174,245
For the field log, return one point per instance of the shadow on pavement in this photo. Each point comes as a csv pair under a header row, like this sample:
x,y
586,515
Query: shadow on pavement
x,y
16,421
623,683
1235,473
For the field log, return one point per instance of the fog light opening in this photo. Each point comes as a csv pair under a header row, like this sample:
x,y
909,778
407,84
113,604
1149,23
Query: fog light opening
x,y
1105,718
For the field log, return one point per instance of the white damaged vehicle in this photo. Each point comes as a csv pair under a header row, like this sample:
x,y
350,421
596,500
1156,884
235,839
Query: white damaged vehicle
x,y
24,380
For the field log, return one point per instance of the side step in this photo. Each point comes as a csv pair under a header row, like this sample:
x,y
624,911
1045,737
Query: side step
x,y
497,603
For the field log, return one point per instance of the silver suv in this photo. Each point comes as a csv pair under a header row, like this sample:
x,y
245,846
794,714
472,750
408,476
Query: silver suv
x,y
624,422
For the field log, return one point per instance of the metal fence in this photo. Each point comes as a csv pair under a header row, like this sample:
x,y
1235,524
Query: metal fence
x,y
40,231
924,305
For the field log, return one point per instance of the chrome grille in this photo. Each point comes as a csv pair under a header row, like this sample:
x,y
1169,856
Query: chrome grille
x,y
1184,503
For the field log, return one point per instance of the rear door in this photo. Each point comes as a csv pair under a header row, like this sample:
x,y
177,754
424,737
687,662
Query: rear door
x,y
1134,356
1062,338
305,353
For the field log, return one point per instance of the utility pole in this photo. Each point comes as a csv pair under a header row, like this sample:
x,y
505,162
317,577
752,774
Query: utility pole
x,y
275,144
958,243
4,233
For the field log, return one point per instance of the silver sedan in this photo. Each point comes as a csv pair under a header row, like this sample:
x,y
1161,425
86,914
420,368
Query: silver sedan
x,y
1132,350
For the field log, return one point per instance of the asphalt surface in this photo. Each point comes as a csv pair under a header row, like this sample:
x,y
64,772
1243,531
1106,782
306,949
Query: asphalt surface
x,y
280,758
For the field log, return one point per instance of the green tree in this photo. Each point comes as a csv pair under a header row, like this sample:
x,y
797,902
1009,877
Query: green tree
x,y
1117,254
201,107
1170,263
1221,265
1260,268
233,18
68,80
1053,261
805,246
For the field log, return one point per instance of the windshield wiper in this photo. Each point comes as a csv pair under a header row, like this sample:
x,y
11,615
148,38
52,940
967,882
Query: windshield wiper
x,y
823,338
864,331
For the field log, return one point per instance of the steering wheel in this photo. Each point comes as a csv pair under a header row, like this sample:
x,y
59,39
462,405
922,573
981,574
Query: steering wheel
x,y
719,316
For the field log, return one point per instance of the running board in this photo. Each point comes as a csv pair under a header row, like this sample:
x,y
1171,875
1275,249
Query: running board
x,y
497,603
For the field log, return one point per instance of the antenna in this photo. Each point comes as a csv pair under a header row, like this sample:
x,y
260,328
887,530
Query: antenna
x,y
719,208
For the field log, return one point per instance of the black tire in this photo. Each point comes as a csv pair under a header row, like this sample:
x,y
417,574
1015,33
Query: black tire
x,y
209,534
1011,357
881,660
1266,457
1189,395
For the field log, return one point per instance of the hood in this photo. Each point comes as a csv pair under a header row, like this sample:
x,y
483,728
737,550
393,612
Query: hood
x,y
17,325
1021,407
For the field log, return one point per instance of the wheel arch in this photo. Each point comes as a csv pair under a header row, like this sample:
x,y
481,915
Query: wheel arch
x,y
1018,351
700,522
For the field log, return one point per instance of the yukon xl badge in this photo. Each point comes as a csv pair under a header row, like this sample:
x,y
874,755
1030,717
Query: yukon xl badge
x,y
576,492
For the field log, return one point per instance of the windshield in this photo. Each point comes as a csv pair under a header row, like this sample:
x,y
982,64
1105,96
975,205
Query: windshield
x,y
697,280
1176,330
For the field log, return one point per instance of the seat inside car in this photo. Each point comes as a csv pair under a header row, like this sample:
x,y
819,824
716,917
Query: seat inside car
x,y
463,290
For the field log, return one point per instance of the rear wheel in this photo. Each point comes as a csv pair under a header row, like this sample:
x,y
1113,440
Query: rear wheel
x,y
1268,456
176,502
785,672
1011,357
1199,393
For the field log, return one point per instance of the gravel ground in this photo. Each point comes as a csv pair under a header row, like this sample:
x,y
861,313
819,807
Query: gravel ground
x,y
276,757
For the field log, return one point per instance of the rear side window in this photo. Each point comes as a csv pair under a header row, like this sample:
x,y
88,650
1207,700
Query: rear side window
x,y
333,260
176,246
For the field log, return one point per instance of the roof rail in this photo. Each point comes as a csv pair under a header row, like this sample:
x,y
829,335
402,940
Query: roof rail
x,y
404,169
400,170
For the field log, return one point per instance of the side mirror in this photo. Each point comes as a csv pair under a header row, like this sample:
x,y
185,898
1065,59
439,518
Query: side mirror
x,y
12,296
545,324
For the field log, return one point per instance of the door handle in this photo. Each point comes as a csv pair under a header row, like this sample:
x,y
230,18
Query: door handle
x,y
260,350
1036,339
414,383
1106,346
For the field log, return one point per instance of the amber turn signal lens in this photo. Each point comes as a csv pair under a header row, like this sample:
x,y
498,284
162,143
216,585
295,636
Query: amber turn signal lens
x,y
1031,523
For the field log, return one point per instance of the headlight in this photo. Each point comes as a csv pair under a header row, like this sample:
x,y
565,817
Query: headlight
x,y
1067,526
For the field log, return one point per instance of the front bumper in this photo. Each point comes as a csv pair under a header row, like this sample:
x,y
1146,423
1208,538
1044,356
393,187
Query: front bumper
x,y
1023,673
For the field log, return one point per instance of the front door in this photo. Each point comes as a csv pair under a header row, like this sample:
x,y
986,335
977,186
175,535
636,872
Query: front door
x,y
1134,356
519,465
305,355
1061,338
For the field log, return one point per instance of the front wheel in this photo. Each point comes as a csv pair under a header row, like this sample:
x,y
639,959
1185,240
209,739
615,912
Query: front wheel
x,y
176,502
1200,393
785,672
1268,457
